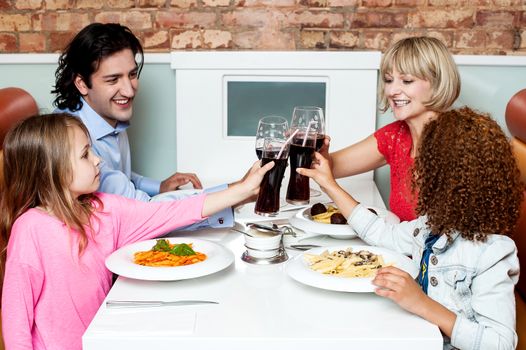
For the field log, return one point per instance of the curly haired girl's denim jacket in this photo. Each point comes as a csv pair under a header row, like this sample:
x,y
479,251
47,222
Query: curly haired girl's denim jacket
x,y
475,280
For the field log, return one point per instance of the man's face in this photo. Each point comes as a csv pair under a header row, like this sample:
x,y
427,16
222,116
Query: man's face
x,y
113,87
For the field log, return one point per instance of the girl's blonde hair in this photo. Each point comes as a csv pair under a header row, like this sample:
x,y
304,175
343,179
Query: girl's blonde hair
x,y
38,173
425,58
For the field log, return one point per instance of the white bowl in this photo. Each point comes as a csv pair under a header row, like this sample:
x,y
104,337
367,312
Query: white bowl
x,y
262,240
262,244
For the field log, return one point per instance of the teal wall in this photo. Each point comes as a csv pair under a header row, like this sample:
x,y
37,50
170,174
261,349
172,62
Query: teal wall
x,y
153,130
38,79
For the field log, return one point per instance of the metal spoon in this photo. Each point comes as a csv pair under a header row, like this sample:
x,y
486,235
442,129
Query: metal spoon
x,y
243,232
274,228
303,246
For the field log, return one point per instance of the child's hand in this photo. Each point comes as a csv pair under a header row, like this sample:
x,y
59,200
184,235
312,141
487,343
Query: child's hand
x,y
252,179
240,192
400,287
320,172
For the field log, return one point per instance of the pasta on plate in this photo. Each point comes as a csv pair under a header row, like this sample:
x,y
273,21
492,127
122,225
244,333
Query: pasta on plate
x,y
345,263
163,253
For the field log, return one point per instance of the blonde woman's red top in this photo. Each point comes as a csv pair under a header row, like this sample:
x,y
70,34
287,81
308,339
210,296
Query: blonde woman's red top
x,y
395,143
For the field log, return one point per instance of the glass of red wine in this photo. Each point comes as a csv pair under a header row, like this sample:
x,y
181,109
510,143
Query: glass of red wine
x,y
270,127
313,117
303,115
268,201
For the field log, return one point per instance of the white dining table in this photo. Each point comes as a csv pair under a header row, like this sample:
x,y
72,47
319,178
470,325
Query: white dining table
x,y
259,307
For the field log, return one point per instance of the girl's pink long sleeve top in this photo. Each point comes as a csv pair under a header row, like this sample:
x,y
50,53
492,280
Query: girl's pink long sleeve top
x,y
50,293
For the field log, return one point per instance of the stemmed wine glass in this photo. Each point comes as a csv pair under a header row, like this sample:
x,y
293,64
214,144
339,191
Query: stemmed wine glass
x,y
314,116
274,127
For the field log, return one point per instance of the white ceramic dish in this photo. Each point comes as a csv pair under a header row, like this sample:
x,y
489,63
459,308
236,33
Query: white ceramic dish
x,y
299,269
262,241
218,258
303,221
262,244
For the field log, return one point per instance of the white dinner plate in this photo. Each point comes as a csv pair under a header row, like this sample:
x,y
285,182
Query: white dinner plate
x,y
218,258
303,221
299,270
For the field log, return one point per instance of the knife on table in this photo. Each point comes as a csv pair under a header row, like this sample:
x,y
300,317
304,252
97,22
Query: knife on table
x,y
154,303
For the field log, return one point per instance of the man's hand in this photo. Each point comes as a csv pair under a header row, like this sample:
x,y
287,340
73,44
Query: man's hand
x,y
179,179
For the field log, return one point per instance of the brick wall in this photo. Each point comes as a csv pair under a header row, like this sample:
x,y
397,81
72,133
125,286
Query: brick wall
x,y
466,26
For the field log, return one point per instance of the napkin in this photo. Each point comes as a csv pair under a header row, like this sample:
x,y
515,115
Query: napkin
x,y
167,321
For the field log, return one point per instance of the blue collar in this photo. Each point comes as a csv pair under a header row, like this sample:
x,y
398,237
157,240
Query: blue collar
x,y
97,126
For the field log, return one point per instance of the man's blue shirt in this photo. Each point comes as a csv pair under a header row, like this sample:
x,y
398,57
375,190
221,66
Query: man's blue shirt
x,y
112,146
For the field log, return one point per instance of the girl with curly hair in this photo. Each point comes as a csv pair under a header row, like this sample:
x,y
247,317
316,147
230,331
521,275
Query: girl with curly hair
x,y
469,197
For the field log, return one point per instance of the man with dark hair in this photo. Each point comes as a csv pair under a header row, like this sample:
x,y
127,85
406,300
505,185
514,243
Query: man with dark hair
x,y
97,80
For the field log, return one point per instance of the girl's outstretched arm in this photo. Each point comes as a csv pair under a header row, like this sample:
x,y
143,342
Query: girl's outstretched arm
x,y
237,192
400,287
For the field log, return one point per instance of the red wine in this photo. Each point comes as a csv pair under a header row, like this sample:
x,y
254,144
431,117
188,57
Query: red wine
x,y
259,152
298,191
319,141
268,198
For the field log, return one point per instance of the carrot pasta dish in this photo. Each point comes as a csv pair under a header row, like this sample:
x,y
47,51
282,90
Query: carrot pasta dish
x,y
163,253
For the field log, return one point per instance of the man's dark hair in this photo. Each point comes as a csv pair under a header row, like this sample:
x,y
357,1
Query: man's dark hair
x,y
83,55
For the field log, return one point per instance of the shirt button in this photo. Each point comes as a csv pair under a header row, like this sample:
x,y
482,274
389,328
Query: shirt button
x,y
416,232
434,260
221,221
434,281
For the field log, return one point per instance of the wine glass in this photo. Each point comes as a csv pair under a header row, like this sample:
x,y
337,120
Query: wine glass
x,y
274,127
268,201
313,116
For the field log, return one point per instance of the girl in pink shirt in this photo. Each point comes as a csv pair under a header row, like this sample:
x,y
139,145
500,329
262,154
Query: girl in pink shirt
x,y
60,231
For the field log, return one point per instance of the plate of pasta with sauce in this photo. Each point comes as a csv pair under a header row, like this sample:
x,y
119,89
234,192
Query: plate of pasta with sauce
x,y
346,268
169,259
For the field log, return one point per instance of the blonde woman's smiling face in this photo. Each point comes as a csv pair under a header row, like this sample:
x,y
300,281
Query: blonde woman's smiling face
x,y
406,94
84,164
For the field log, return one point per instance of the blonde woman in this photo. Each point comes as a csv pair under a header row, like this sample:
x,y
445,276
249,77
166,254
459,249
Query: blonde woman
x,y
418,80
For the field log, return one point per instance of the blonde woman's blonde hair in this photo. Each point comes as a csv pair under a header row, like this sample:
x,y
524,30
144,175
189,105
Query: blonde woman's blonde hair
x,y
425,58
